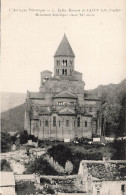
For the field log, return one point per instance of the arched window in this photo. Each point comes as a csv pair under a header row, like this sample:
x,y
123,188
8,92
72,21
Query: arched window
x,y
46,123
64,63
58,62
71,62
74,123
90,109
78,122
57,71
67,123
54,121
85,123
65,71
71,71
62,71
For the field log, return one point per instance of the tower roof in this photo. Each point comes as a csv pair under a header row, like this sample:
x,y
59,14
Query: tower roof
x,y
64,48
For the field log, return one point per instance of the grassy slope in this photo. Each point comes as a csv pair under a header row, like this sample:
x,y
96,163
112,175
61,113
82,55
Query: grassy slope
x,y
13,119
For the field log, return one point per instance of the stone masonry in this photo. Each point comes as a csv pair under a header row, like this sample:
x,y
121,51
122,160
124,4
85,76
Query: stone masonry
x,y
62,109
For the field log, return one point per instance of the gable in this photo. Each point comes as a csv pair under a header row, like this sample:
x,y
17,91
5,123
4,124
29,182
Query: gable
x,y
65,94
66,110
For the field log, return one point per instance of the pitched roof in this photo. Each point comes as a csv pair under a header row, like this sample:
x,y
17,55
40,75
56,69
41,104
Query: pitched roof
x,y
64,48
67,110
7,179
65,94
36,95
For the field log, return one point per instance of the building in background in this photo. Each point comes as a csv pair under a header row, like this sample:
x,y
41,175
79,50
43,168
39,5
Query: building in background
x,y
61,109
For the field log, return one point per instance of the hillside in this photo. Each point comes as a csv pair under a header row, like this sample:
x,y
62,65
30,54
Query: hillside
x,y
113,100
13,119
11,100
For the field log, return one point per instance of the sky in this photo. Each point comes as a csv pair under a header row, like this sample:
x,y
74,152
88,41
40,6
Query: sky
x,y
29,41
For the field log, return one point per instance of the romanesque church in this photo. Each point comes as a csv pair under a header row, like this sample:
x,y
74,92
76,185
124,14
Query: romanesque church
x,y
62,109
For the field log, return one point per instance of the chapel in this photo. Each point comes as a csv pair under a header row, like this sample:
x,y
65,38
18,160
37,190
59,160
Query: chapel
x,y
62,109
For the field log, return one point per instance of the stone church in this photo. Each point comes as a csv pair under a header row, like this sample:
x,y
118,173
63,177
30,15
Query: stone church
x,y
62,109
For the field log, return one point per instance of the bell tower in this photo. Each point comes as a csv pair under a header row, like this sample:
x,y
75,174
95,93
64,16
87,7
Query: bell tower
x,y
64,59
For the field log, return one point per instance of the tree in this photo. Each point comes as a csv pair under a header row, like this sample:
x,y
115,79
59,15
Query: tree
x,y
24,137
5,141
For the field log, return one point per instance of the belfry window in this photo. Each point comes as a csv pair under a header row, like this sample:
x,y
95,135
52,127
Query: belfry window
x,y
67,123
78,122
64,63
54,121
71,71
85,123
60,103
57,62
46,123
63,72
71,62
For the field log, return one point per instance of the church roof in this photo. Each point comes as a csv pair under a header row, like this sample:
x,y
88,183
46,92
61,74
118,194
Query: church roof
x,y
36,95
64,48
65,94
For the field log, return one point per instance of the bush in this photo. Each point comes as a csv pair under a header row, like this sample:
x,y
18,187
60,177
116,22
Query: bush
x,y
61,153
23,188
33,138
24,137
120,147
66,152
41,166
44,180
5,166
5,142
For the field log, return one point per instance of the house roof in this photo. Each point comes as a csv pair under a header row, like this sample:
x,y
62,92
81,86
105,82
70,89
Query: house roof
x,y
65,94
7,179
64,48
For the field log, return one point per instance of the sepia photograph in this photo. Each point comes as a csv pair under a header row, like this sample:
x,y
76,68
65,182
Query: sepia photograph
x,y
63,97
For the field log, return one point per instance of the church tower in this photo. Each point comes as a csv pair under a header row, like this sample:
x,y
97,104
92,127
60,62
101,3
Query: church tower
x,y
64,59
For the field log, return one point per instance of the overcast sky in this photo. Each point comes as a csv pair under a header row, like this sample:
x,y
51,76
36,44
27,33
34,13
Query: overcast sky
x,y
29,42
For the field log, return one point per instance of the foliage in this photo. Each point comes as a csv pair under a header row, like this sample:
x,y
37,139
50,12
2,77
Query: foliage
x,y
33,138
24,137
5,141
23,188
113,109
65,152
5,166
61,153
13,139
41,166
120,147
44,180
